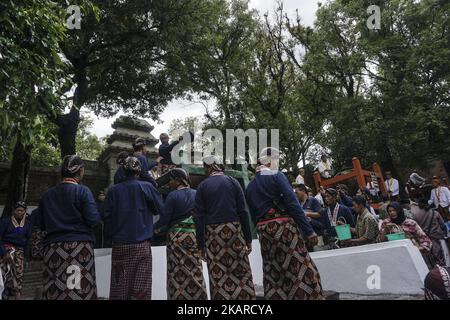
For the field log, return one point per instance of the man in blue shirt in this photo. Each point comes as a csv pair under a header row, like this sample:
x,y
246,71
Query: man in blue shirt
x,y
223,233
68,214
335,212
129,209
311,207
281,222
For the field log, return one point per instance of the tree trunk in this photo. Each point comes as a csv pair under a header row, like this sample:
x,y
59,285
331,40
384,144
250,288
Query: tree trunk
x,y
18,178
68,123
67,131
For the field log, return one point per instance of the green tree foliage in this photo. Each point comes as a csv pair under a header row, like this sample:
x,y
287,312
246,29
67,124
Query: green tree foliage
x,y
391,96
125,57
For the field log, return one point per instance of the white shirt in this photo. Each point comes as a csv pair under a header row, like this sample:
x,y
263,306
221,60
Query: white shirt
x,y
440,196
323,166
320,199
372,189
392,185
300,179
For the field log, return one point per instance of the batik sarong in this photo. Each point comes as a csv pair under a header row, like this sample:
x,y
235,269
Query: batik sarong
x,y
37,249
12,272
131,272
230,276
69,271
184,265
289,272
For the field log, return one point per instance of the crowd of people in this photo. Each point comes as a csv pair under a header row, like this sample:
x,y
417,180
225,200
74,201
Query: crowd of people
x,y
422,215
208,224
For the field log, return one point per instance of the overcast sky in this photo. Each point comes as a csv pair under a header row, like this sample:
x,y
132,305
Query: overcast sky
x,y
179,108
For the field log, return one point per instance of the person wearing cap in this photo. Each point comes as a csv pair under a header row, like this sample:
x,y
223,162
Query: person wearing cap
x,y
440,198
140,153
68,214
184,264
437,284
129,210
120,176
223,233
335,212
366,229
392,187
15,232
288,270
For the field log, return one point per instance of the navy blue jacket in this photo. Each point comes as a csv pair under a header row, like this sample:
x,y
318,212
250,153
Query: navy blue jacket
x,y
68,212
266,188
145,168
129,210
343,211
179,205
18,237
220,199
119,176
165,150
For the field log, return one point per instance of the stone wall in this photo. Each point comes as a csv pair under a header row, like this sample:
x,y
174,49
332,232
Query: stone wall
x,y
41,178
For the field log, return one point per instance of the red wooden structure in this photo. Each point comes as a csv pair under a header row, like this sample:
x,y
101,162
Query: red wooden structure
x,y
357,173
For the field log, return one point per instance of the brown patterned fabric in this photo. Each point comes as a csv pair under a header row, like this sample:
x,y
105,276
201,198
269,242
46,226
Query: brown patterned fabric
x,y
230,276
184,266
289,272
69,271
131,272
12,274
37,249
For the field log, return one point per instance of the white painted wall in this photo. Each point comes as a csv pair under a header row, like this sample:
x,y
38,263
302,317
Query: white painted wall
x,y
402,269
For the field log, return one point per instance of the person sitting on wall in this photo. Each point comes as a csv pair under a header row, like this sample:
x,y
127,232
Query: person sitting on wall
x,y
398,222
334,212
366,230
311,207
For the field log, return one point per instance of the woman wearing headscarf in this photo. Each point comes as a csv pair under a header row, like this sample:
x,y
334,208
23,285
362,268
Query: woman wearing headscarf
x,y
67,215
397,222
129,209
289,272
223,233
184,264
15,232
437,284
